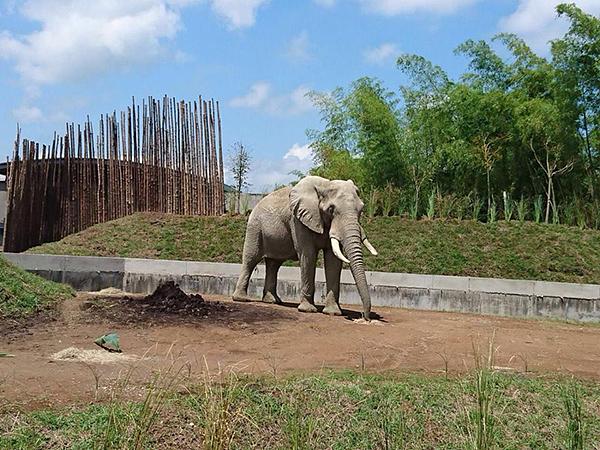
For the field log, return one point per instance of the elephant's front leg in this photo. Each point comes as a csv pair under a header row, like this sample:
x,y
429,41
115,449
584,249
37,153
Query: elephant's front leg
x,y
308,263
333,270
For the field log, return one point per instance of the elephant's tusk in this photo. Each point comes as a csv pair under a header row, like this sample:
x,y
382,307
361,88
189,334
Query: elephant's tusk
x,y
370,247
335,245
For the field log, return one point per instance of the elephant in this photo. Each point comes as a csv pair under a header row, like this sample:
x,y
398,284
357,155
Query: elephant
x,y
295,223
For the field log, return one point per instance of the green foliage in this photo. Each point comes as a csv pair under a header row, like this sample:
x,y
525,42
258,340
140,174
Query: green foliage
x,y
514,121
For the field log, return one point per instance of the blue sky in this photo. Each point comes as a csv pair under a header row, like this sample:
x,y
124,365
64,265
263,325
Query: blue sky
x,y
63,59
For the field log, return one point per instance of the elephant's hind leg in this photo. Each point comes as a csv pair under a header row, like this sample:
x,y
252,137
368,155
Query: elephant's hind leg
x,y
270,291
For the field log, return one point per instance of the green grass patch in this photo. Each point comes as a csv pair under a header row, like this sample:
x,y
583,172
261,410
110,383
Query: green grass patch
x,y
467,248
23,294
337,410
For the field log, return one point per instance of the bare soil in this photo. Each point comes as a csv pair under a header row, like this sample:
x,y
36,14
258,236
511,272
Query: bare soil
x,y
216,333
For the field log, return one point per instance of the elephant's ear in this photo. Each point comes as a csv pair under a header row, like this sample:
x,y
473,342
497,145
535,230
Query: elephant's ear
x,y
304,202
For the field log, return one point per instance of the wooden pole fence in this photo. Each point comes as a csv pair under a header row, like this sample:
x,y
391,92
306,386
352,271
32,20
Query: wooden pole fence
x,y
165,157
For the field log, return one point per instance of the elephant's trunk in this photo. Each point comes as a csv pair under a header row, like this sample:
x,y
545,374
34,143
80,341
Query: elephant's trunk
x,y
352,244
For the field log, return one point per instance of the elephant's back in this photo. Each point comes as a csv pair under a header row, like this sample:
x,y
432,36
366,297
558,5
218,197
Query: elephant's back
x,y
276,203
272,216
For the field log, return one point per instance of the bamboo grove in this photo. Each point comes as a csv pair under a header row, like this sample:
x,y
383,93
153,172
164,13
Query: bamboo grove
x,y
514,132
163,157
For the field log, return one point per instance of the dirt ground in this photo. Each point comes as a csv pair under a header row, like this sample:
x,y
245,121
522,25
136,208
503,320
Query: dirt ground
x,y
263,338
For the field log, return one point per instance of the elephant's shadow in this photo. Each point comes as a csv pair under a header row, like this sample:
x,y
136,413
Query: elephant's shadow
x,y
347,314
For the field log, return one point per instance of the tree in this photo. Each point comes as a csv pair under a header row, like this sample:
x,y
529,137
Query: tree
x,y
577,57
539,121
372,110
514,121
239,161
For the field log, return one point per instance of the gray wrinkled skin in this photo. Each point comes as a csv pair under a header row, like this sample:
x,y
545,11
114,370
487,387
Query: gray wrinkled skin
x,y
295,224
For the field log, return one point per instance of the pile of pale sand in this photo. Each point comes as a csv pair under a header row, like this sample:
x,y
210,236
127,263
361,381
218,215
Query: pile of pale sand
x,y
92,356
370,322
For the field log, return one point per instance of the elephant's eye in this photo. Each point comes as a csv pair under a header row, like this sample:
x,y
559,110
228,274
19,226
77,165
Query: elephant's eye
x,y
330,209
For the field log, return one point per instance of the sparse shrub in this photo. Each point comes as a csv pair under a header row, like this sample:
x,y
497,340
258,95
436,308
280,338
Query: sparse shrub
x,y
231,204
594,215
372,201
392,424
387,199
574,433
129,425
461,208
476,207
581,222
521,209
492,212
481,427
537,209
244,203
217,409
300,426
555,215
431,205
445,205
413,211
400,208
569,213
508,206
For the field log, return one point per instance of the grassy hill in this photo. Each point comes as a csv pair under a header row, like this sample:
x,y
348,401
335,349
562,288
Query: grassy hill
x,y
507,250
23,294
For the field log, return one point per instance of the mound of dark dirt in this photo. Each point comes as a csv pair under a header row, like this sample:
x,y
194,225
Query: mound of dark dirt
x,y
168,303
169,298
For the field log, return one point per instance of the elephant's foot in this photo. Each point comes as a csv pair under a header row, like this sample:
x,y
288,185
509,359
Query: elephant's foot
x,y
270,297
305,306
239,297
331,306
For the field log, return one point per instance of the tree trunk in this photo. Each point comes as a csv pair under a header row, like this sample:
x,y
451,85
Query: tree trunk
x,y
548,194
489,199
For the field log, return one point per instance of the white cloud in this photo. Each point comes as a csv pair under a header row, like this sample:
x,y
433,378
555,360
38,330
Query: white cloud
x,y
238,13
298,48
536,21
397,7
26,113
381,54
256,97
261,97
76,39
274,171
301,152
325,3
299,102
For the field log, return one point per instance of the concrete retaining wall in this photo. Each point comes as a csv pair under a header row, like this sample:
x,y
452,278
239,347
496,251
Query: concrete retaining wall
x,y
429,292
